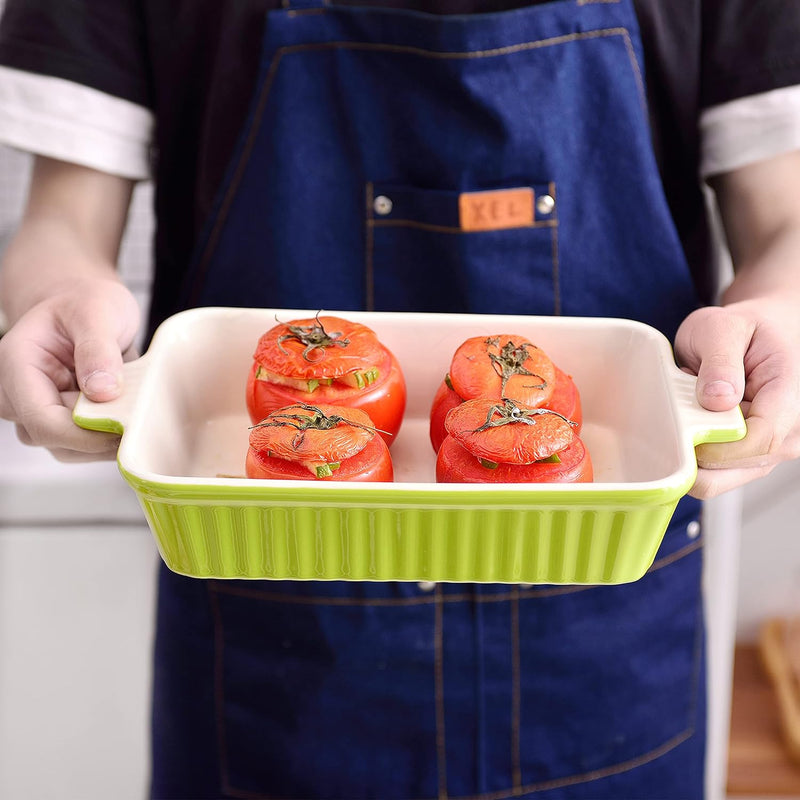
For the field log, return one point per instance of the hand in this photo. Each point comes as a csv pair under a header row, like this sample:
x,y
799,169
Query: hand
x,y
72,341
747,352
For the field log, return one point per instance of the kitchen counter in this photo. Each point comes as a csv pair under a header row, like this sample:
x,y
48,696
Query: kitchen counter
x,y
35,488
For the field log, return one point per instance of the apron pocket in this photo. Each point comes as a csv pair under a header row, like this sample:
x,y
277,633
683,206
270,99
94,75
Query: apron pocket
x,y
492,251
308,684
610,678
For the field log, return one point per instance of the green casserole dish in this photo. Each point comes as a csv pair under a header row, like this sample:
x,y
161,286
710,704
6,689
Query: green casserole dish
x,y
185,429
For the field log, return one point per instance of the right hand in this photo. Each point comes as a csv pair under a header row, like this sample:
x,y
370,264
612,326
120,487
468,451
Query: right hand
x,y
73,341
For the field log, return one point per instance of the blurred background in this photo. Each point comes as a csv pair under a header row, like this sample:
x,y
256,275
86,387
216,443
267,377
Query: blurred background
x,y
77,593
77,590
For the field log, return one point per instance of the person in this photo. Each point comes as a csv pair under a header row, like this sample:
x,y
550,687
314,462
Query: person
x,y
271,129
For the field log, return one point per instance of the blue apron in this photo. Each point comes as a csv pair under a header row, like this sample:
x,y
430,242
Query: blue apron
x,y
360,182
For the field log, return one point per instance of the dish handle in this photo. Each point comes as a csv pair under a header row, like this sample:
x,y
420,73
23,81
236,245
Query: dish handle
x,y
703,425
112,416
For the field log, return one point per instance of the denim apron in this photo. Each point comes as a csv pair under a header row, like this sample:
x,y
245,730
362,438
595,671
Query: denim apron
x,y
360,182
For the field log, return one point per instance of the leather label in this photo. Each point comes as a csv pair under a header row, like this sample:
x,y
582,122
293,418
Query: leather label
x,y
496,209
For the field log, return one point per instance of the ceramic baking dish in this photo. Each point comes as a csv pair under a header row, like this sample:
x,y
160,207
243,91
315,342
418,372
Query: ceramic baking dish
x,y
186,430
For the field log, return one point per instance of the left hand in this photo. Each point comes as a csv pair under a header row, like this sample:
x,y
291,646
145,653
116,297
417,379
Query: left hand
x,y
747,352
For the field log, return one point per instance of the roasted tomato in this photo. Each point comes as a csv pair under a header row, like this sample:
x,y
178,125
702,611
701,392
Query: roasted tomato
x,y
331,361
503,366
305,442
502,441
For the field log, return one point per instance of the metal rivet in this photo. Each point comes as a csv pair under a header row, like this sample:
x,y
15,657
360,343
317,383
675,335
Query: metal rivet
x,y
545,204
382,205
693,529
427,586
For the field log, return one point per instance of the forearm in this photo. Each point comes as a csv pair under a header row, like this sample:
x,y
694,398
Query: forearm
x,y
760,208
70,232
772,273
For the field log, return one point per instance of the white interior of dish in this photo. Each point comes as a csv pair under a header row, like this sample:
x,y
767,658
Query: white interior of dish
x,y
190,421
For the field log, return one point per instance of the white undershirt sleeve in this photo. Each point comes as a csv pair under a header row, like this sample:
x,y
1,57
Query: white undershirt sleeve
x,y
71,122
749,129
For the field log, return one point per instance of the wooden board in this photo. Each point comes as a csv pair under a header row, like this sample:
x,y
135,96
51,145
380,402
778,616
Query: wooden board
x,y
758,762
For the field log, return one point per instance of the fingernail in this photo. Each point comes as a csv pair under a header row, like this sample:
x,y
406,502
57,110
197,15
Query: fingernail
x,y
719,389
100,383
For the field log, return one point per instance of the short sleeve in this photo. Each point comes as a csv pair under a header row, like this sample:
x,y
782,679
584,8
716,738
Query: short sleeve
x,y
74,83
749,129
749,47
96,43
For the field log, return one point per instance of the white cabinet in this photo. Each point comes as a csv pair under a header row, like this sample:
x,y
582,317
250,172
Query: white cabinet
x,y
77,597
76,610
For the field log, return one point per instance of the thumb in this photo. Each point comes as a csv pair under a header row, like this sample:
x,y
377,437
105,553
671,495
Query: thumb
x,y
720,380
101,332
712,344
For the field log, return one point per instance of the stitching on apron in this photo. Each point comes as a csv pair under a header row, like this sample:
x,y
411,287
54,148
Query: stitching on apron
x,y
518,791
408,223
587,2
222,214
369,246
536,44
441,748
372,223
219,688
684,551
230,194
573,780
556,264
516,694
270,597
637,72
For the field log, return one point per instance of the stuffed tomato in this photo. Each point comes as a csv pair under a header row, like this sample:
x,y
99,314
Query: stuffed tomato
x,y
309,442
331,361
502,441
502,366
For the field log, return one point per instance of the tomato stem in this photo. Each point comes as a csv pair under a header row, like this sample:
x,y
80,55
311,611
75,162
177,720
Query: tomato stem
x,y
317,421
314,337
509,413
511,360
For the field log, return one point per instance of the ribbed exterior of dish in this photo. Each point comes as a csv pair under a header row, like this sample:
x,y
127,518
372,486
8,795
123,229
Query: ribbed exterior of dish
x,y
554,545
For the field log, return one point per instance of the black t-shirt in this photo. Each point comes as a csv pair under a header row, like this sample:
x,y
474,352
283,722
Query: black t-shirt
x,y
194,64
